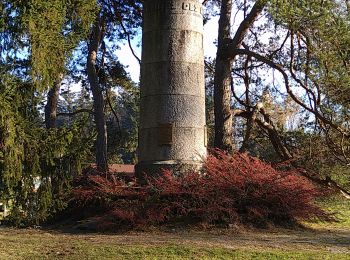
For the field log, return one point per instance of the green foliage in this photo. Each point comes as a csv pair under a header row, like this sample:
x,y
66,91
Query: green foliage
x,y
337,172
36,165
129,100
123,131
313,152
12,149
309,42
122,96
55,27
323,29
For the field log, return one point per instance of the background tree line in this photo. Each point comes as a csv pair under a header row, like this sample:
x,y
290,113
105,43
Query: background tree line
x,y
277,89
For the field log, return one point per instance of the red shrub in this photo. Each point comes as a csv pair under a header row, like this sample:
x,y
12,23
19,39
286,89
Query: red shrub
x,y
232,189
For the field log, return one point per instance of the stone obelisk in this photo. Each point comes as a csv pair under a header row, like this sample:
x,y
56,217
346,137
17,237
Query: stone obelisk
x,y
172,132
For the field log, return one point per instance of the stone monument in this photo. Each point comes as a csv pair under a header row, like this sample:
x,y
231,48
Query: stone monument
x,y
172,132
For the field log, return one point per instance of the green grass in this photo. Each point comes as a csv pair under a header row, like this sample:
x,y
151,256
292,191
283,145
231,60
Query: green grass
x,y
36,247
326,241
341,207
179,252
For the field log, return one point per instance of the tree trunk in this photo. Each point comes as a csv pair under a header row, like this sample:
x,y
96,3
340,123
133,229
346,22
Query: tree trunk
x,y
222,82
92,69
51,105
224,60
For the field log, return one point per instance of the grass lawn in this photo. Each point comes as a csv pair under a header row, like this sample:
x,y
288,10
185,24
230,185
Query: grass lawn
x,y
323,241
341,208
38,244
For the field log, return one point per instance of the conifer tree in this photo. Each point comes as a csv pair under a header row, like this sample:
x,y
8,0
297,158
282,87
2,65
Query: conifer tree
x,y
116,20
37,38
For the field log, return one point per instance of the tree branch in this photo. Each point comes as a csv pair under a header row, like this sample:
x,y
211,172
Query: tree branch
x,y
243,28
129,42
280,68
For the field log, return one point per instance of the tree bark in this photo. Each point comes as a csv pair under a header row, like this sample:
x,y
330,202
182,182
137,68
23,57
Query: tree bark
x,y
267,125
222,82
96,38
51,105
224,61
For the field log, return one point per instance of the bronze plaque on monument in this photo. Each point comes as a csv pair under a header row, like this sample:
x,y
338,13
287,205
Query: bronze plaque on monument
x,y
165,134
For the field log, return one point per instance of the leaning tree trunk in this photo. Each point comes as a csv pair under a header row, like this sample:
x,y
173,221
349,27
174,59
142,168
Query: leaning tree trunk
x,y
222,82
51,105
97,92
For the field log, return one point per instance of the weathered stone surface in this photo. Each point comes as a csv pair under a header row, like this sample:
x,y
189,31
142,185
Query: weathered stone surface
x,y
184,15
188,145
183,110
176,46
172,113
180,78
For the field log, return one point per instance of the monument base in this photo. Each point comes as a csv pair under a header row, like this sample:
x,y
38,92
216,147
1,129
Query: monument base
x,y
155,169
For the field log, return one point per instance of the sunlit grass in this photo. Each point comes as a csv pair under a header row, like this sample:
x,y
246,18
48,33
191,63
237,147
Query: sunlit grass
x,y
340,207
38,244
49,246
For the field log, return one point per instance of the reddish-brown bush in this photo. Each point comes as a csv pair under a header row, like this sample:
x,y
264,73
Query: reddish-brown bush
x,y
232,189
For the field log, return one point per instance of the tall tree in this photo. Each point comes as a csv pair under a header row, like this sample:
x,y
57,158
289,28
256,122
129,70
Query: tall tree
x,y
223,67
37,38
305,43
96,39
115,20
222,82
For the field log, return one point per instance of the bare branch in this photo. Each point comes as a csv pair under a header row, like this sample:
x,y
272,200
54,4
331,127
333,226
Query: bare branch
x,y
209,66
280,68
129,42
246,24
